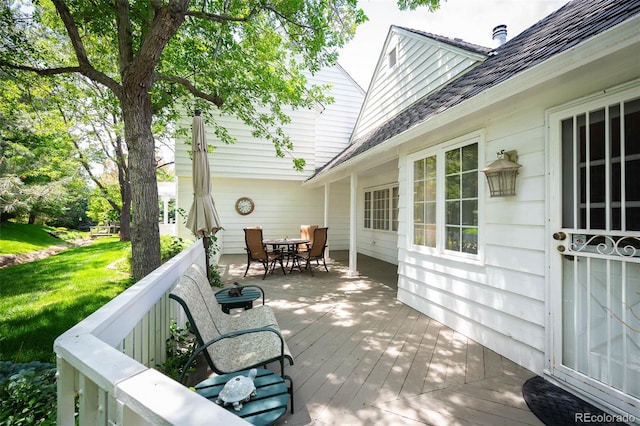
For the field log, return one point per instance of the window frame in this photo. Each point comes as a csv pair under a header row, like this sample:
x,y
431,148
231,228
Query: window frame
x,y
439,151
392,212
392,57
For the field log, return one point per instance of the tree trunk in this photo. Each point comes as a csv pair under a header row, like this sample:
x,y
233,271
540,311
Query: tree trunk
x,y
124,180
145,232
135,98
125,214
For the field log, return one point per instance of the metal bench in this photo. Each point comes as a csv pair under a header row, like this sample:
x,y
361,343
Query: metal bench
x,y
229,343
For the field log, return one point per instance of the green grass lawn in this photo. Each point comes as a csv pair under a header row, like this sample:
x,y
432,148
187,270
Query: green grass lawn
x,y
19,238
42,299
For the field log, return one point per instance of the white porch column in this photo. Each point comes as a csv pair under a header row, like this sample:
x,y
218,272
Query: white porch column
x,y
353,220
327,193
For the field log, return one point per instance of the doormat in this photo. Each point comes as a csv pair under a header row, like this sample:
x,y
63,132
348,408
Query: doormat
x,y
557,407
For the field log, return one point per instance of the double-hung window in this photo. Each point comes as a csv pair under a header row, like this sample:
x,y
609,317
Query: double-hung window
x,y
446,197
381,208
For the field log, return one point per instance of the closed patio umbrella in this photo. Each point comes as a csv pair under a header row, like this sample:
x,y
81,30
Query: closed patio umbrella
x,y
203,219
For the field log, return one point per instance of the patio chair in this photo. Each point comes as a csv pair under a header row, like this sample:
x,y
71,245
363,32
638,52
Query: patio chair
x,y
257,252
229,343
306,233
315,251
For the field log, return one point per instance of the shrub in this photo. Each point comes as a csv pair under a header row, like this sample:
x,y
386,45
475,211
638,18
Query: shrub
x,y
214,276
180,346
28,393
170,246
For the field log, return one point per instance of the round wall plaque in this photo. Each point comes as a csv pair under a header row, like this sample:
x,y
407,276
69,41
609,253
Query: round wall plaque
x,y
244,205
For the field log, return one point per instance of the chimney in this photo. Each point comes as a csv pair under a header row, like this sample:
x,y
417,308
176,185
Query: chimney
x,y
500,35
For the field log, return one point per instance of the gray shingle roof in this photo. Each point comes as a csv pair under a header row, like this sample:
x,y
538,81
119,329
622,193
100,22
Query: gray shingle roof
x,y
570,25
452,41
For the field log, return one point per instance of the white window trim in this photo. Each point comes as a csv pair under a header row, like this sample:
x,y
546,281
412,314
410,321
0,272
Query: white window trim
x,y
371,189
394,45
439,150
392,56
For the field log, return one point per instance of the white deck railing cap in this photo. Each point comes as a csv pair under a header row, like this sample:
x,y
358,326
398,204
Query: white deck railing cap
x,y
161,400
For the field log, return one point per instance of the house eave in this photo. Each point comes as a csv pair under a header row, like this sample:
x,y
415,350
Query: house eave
x,y
614,39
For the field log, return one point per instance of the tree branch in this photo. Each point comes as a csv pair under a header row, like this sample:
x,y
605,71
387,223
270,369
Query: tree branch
x,y
40,71
84,66
221,18
90,73
215,99
159,166
123,22
72,31
165,24
286,18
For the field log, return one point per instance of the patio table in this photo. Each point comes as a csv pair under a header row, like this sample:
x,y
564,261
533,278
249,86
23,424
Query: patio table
x,y
244,301
291,245
265,408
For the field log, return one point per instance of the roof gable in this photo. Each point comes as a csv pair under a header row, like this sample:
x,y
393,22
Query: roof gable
x,y
412,64
570,25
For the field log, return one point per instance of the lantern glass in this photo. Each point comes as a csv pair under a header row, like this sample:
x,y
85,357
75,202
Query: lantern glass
x,y
501,175
502,183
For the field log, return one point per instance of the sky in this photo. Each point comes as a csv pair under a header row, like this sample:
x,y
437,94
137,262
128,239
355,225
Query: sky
x,y
471,20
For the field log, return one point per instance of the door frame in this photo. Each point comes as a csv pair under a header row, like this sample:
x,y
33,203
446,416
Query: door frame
x,y
590,389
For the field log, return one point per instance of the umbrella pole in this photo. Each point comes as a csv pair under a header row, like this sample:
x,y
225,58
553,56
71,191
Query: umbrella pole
x,y
205,243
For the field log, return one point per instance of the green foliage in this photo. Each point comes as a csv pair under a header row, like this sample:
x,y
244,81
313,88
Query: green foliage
x,y
171,246
39,174
100,210
180,346
69,235
214,277
74,216
28,393
431,5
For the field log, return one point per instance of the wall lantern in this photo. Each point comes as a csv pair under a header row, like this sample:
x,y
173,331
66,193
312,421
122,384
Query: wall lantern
x,y
501,174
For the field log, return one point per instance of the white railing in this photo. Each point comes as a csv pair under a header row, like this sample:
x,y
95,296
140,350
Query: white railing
x,y
106,361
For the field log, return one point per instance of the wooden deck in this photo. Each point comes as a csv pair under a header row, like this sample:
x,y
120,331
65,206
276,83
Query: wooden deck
x,y
364,358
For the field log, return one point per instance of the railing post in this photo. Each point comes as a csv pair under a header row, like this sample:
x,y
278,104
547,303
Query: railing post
x,y
66,397
88,401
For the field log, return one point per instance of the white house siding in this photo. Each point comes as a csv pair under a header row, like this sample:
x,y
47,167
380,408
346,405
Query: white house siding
x,y
249,157
335,124
317,134
280,208
338,216
499,299
379,244
504,299
250,168
423,64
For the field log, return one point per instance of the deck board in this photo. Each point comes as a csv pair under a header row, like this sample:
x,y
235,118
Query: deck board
x,y
364,358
